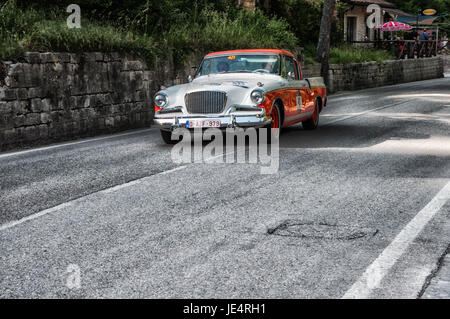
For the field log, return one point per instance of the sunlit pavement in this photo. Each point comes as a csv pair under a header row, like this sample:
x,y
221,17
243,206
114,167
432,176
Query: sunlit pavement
x,y
358,208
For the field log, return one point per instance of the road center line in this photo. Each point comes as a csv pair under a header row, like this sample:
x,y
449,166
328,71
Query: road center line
x,y
69,203
364,113
375,273
34,216
95,139
104,191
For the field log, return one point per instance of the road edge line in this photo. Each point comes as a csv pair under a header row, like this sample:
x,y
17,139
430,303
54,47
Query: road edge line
x,y
374,274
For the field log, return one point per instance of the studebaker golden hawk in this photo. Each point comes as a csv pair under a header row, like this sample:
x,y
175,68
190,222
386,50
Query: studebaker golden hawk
x,y
242,88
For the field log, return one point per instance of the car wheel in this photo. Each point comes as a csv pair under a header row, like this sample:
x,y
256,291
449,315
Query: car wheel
x,y
167,137
273,130
313,122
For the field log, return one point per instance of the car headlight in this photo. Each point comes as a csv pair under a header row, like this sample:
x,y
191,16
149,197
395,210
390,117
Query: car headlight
x,y
161,100
257,96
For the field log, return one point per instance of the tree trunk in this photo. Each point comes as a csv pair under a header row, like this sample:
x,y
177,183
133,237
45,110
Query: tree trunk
x,y
323,47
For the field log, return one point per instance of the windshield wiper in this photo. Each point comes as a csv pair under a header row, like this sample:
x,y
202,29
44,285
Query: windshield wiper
x,y
237,71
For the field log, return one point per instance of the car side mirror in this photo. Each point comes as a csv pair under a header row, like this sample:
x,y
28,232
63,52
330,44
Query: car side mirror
x,y
189,78
291,76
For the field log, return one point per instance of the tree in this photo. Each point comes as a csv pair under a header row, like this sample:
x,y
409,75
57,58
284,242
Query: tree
x,y
323,46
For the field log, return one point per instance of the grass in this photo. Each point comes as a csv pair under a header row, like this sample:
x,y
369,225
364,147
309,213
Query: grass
x,y
33,30
30,29
36,30
54,35
347,54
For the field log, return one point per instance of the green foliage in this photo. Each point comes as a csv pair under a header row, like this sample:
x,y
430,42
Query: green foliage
x,y
345,54
304,18
199,29
27,29
54,35
349,54
176,27
214,30
415,6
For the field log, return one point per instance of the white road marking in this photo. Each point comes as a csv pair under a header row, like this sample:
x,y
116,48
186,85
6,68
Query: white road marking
x,y
137,181
72,143
34,216
104,191
375,273
214,157
363,113
69,203
172,170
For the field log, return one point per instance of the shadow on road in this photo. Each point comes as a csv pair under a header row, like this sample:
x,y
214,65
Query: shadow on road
x,y
348,136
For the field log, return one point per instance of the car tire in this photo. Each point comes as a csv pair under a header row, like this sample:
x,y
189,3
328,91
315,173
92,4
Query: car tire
x,y
167,137
274,129
313,122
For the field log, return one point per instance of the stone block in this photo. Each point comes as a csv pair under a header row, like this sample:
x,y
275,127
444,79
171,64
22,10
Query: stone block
x,y
99,57
19,120
32,119
7,94
45,118
64,57
48,57
43,131
10,136
31,133
35,92
36,105
88,57
22,94
32,57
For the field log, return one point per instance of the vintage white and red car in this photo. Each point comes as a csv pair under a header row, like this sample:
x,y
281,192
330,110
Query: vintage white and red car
x,y
242,88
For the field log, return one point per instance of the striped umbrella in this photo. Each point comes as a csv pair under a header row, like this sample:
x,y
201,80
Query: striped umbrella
x,y
394,26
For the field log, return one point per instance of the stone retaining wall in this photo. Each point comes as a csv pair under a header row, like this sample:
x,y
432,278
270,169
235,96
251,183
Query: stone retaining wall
x,y
356,76
446,59
58,96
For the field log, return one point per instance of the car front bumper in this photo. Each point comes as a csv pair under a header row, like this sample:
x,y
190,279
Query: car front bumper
x,y
226,121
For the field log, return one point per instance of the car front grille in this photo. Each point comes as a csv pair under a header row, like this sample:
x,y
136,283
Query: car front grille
x,y
205,102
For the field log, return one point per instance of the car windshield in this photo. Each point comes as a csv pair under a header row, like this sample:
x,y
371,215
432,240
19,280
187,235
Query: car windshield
x,y
240,63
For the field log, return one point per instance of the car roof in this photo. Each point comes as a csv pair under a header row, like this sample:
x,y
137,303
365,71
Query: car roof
x,y
276,51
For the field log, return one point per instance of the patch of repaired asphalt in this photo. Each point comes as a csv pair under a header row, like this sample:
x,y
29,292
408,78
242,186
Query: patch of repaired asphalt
x,y
300,229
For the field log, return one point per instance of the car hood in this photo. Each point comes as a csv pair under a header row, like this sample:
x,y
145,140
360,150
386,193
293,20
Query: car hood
x,y
238,86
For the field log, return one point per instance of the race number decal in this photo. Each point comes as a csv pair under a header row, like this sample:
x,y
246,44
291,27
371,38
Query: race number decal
x,y
299,101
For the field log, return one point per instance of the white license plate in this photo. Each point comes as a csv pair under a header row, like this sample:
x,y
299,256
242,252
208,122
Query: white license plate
x,y
202,123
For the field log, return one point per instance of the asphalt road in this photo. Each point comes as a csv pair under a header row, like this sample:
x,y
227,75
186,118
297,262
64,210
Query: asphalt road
x,y
358,208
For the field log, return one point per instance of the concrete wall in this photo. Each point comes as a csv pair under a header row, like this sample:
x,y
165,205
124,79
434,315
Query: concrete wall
x,y
358,76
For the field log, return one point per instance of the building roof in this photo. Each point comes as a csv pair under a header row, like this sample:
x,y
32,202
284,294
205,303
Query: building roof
x,y
397,12
381,3
252,51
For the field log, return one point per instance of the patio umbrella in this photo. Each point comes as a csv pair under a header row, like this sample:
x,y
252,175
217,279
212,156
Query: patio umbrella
x,y
394,26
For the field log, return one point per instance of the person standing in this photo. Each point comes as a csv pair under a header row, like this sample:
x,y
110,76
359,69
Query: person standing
x,y
423,38
444,43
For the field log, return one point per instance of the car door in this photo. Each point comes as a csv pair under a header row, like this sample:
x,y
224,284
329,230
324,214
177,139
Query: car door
x,y
297,90
292,92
